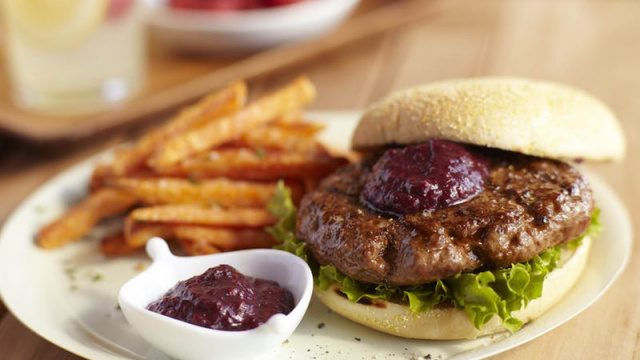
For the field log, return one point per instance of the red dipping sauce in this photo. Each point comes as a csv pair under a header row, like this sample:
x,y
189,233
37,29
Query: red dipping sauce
x,y
424,177
228,5
224,299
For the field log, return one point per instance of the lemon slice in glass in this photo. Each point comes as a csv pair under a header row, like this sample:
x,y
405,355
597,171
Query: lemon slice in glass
x,y
56,23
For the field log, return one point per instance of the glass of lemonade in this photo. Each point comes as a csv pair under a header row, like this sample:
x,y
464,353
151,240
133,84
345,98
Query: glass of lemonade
x,y
74,56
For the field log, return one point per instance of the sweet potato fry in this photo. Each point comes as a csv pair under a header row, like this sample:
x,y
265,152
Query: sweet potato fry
x,y
198,215
206,176
195,247
290,98
223,192
136,233
81,218
291,117
253,165
296,137
201,240
99,176
310,183
116,245
221,103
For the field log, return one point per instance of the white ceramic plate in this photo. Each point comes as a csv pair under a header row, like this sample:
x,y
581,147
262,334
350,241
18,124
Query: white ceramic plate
x,y
69,296
248,30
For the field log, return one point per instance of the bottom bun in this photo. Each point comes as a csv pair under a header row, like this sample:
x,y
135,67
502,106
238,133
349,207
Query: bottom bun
x,y
453,323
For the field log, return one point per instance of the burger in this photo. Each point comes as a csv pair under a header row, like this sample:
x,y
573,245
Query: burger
x,y
464,216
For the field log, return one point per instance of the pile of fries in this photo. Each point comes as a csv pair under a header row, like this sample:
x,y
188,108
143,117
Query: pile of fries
x,y
203,179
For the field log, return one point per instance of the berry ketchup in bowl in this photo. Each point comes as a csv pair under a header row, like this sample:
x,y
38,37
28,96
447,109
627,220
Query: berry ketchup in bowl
x,y
228,5
214,27
235,305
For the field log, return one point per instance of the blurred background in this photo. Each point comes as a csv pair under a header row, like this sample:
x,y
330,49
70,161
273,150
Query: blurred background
x,y
78,76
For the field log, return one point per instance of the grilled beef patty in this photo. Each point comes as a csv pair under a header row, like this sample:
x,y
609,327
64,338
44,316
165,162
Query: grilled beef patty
x,y
528,205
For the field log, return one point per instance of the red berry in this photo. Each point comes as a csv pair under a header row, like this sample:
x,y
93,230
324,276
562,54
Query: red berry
x,y
118,8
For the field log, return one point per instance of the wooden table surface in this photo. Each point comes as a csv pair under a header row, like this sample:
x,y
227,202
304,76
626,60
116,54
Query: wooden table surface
x,y
591,44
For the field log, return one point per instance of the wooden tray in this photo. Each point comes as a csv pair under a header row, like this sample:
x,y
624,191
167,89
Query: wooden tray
x,y
173,80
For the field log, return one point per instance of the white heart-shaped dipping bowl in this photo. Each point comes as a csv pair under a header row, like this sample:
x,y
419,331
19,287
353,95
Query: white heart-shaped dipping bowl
x,y
190,342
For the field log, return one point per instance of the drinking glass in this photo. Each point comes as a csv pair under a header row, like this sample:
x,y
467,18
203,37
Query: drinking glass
x,y
74,56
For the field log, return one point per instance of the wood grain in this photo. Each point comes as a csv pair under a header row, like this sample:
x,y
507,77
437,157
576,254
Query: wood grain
x,y
591,44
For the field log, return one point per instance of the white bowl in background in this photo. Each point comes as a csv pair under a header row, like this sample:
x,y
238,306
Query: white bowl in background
x,y
245,30
182,340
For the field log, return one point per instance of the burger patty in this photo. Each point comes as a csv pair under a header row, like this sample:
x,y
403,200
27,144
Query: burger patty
x,y
528,205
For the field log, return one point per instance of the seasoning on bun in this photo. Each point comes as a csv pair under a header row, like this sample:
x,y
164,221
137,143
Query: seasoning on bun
x,y
463,218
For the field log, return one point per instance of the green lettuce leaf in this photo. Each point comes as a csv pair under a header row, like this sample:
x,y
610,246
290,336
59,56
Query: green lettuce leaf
x,y
481,295
594,229
281,206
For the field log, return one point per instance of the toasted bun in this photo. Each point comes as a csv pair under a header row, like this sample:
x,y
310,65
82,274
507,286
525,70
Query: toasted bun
x,y
534,118
453,323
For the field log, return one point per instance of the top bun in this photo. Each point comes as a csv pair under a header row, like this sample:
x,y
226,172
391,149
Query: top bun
x,y
534,118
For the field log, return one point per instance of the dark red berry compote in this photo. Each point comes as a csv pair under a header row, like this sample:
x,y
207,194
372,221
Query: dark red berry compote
x,y
228,5
424,177
224,299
